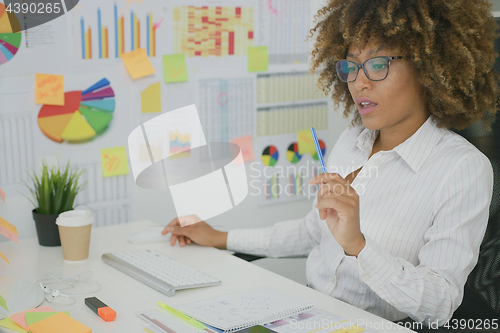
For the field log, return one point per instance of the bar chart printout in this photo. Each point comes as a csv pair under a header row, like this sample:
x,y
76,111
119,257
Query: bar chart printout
x,y
213,31
129,30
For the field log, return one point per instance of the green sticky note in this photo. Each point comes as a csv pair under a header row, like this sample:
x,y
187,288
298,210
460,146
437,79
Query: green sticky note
x,y
3,303
174,68
258,59
34,317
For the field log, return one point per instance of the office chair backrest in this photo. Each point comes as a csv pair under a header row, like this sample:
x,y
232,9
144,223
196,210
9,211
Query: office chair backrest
x,y
482,289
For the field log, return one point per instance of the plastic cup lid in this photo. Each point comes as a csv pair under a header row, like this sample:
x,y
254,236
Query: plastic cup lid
x,y
74,218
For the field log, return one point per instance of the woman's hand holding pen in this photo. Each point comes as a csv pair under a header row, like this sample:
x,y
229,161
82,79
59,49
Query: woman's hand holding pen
x,y
338,203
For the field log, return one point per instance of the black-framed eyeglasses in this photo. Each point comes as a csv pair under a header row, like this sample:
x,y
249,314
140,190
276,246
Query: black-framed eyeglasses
x,y
376,69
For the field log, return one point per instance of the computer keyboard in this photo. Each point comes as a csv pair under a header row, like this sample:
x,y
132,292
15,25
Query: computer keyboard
x,y
158,271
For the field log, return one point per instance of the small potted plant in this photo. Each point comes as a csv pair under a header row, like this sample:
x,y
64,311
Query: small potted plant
x,y
54,192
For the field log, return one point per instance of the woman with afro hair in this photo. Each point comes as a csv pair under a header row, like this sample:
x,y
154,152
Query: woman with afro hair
x,y
400,215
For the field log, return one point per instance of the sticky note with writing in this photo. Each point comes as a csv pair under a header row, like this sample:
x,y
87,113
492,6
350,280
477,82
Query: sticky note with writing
x,y
49,89
174,68
138,64
114,161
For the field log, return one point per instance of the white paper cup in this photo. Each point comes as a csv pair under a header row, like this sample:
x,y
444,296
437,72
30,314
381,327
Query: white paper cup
x,y
74,230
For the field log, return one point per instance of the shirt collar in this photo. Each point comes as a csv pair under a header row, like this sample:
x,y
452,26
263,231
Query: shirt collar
x,y
415,150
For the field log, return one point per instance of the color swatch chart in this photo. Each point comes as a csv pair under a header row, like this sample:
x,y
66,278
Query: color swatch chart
x,y
226,108
84,114
97,41
283,27
213,31
9,41
288,88
290,119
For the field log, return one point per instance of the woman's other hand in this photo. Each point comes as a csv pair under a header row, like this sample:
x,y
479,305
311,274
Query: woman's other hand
x,y
200,233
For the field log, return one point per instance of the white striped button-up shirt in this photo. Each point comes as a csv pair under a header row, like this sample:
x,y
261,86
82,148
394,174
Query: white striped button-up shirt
x,y
423,211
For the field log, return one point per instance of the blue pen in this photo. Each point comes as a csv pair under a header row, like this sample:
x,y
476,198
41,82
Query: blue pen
x,y
318,150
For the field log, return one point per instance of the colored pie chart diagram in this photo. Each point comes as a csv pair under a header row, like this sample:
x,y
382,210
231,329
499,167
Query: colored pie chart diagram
x,y
85,114
292,153
9,41
323,150
270,156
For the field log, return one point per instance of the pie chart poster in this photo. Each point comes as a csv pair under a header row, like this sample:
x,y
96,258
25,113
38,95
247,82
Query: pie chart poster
x,y
114,135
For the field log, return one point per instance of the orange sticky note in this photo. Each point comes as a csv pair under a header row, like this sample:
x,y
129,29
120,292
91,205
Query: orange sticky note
x,y
20,318
114,161
138,64
305,142
2,194
245,143
8,230
4,258
49,89
59,323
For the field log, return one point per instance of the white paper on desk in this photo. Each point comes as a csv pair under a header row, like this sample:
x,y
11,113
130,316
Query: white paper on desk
x,y
164,321
316,320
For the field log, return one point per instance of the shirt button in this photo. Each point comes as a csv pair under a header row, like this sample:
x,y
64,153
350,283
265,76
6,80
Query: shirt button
x,y
354,263
333,279
377,162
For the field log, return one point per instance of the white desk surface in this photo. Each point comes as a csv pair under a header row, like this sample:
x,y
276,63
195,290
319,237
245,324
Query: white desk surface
x,y
125,295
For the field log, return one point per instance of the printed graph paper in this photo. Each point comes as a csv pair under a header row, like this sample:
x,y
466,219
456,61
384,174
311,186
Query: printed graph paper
x,y
213,31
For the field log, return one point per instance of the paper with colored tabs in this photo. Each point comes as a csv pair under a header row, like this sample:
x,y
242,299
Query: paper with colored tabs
x,y
151,98
10,324
8,230
59,323
49,89
35,317
2,194
138,64
246,145
174,68
114,161
305,142
20,318
3,303
258,59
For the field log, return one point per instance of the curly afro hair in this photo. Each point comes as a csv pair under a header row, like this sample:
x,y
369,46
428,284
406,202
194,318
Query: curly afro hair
x,y
449,44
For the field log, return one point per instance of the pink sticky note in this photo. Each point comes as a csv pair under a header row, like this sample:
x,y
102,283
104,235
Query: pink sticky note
x,y
245,143
20,318
2,194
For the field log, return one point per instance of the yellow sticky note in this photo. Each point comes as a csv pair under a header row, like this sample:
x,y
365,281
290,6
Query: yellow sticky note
x,y
151,98
49,89
305,142
3,303
350,329
4,257
10,324
59,323
174,68
114,161
8,230
138,64
246,145
258,59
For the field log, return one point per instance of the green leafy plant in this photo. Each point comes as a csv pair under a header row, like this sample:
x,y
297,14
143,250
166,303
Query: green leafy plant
x,y
54,191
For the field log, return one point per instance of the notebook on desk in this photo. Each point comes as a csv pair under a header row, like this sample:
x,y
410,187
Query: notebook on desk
x,y
257,306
